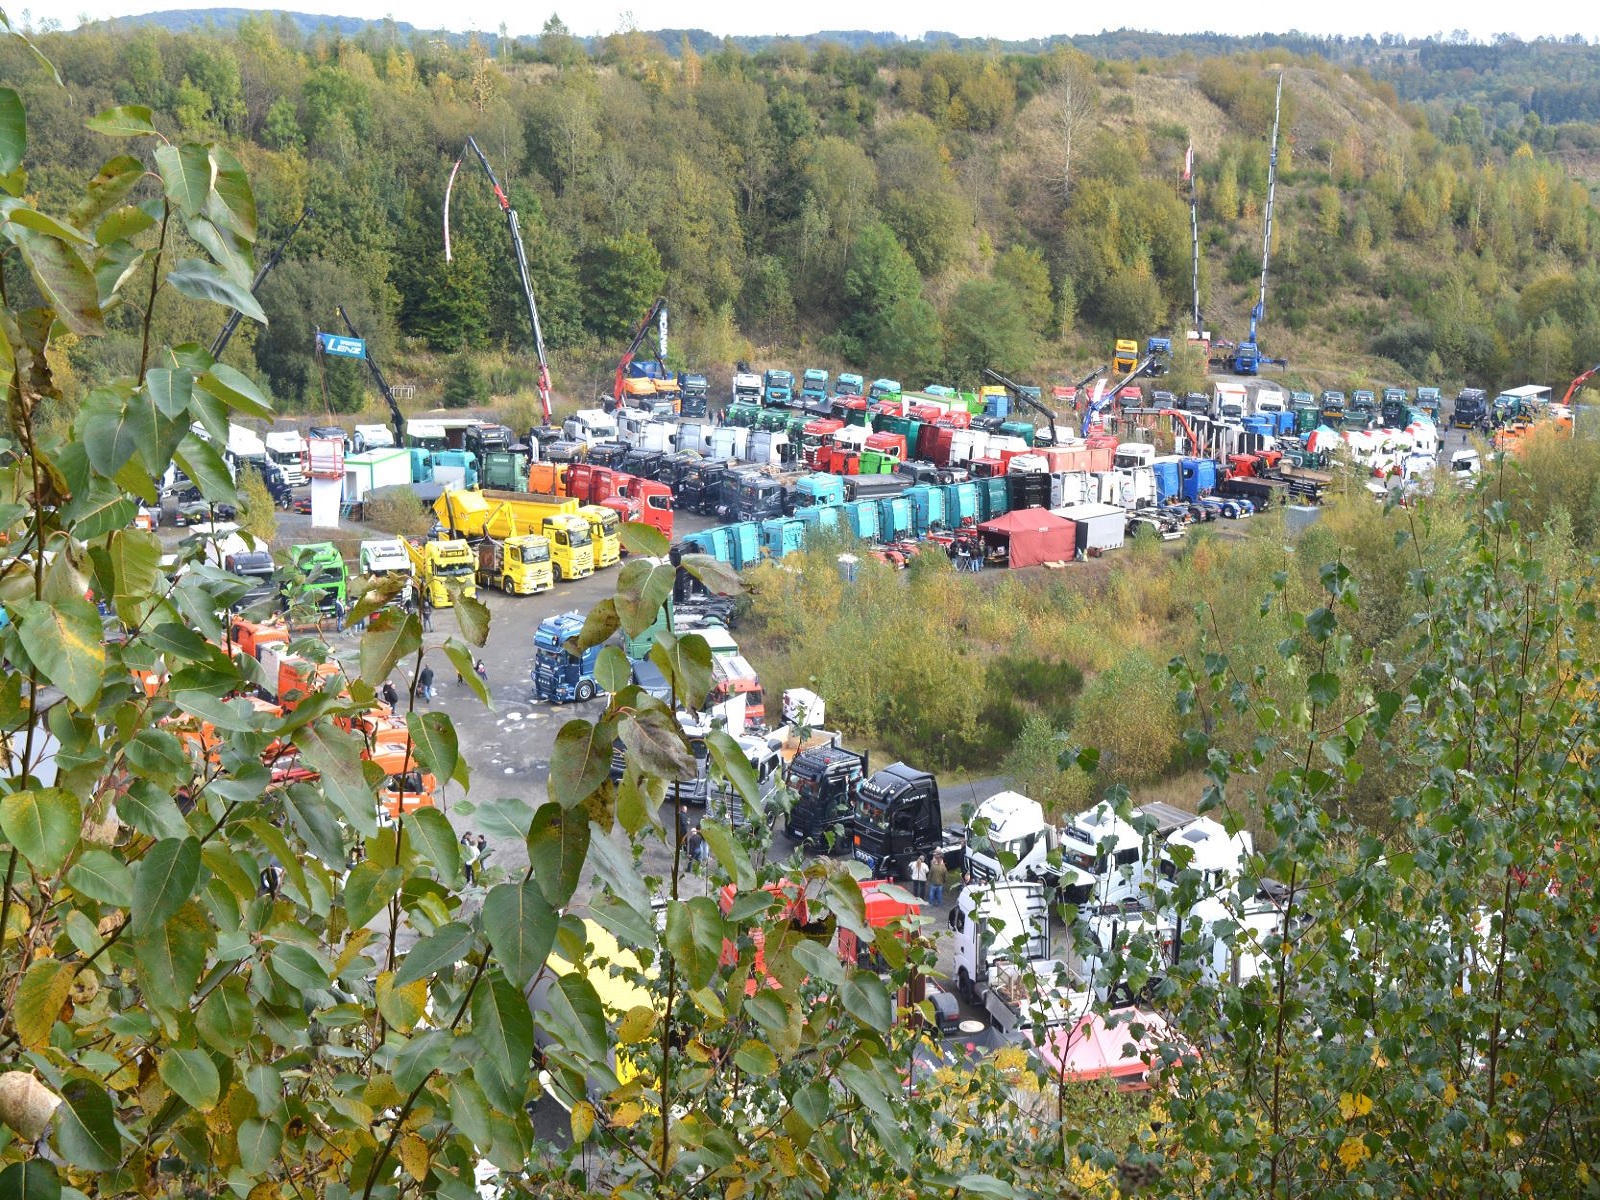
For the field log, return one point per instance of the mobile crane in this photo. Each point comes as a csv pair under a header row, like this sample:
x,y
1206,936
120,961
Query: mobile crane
x,y
232,323
396,418
1247,358
657,316
515,228
1104,398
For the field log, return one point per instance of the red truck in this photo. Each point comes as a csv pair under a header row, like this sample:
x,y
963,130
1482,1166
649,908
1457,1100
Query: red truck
x,y
816,441
654,500
631,497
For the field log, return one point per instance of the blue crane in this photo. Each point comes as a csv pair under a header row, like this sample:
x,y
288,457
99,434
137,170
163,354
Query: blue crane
x,y
1247,358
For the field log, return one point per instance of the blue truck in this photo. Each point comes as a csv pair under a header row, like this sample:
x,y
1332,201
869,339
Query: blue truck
x,y
560,677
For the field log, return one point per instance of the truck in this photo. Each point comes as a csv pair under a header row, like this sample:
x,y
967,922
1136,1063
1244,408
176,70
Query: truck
x,y
1229,402
518,566
695,394
605,533
503,515
383,557
813,386
898,820
326,577
1125,356
288,450
883,389
848,384
588,426
560,677
1001,936
1470,410
486,439
757,498
255,566
506,469
371,437
777,387
440,565
746,387
824,780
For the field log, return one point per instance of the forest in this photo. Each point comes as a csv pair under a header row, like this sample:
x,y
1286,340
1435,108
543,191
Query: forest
x,y
912,211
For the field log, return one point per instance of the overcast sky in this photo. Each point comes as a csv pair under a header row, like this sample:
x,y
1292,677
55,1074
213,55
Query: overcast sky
x,y
1008,19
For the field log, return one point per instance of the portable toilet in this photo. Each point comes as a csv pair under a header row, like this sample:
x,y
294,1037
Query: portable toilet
x,y
863,518
894,518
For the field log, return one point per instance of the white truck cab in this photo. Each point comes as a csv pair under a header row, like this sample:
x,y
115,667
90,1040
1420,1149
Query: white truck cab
x,y
387,556
590,425
371,437
1012,825
289,451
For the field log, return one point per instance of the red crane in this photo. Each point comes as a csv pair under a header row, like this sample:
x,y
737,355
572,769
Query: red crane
x,y
1577,383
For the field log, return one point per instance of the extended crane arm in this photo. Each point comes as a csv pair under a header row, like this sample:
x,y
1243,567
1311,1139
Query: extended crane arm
x,y
522,262
1021,395
1099,404
396,417
1260,310
1572,388
232,323
657,316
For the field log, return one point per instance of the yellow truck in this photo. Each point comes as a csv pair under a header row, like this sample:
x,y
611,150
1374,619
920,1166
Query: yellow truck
x,y
1126,357
441,566
605,527
518,566
503,515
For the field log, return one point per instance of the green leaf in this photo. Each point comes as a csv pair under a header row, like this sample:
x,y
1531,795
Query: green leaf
x,y
502,1023
199,460
226,1019
686,662
200,280
30,1179
39,1000
642,588
986,1185
391,635
504,816
756,1059
29,218
654,743
114,265
430,830
126,120
66,641
612,670
171,390
108,189
576,1016
103,877
729,853
1323,688
367,889
460,656
718,577
259,1142
472,615
235,389
439,951
580,761
186,175
13,131
226,250
120,224
644,540
111,428
424,1054
164,880
232,188
172,956
336,756
694,937
433,740
558,843
599,624
64,279
43,825
299,967
865,998
98,510
193,1076
521,925
732,761
86,1125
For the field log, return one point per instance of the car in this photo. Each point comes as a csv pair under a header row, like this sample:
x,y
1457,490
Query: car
x,y
198,512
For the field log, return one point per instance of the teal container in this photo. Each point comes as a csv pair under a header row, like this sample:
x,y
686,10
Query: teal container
x,y
1021,429
862,517
960,503
745,538
894,518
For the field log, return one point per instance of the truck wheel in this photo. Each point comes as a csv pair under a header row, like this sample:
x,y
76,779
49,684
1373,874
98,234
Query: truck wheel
x,y
964,987
555,571
585,690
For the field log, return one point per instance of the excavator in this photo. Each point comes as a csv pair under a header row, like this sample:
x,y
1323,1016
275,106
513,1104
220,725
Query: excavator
x,y
657,316
515,228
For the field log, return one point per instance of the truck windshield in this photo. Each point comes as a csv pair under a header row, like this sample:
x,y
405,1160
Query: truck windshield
x,y
874,813
609,524
455,569
535,554
580,537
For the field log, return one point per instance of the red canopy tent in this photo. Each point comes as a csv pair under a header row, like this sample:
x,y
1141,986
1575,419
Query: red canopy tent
x,y
1092,1049
1032,536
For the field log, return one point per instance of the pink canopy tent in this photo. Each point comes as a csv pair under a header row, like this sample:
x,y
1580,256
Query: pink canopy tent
x,y
1032,536
1092,1049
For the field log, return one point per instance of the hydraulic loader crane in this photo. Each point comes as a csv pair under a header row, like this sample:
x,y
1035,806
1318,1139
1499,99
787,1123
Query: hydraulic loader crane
x,y
1572,388
397,419
1247,358
232,323
1023,396
657,316
1104,398
515,228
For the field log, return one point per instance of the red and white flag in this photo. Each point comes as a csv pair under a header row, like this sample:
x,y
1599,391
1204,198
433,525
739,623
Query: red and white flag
x,y
1188,164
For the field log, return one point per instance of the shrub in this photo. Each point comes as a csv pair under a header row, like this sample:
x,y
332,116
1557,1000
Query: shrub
x,y
397,510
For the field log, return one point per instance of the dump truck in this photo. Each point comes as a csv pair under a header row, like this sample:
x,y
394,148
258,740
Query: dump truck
x,y
518,566
504,515
441,565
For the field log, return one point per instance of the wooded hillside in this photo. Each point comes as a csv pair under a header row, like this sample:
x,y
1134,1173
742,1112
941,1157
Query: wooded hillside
x,y
913,212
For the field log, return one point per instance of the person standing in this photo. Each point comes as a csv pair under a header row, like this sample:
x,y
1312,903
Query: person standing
x,y
425,608
919,878
938,874
425,682
390,696
469,858
694,844
483,851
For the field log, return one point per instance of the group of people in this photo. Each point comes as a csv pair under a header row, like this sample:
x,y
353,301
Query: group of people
x,y
967,553
928,880
473,852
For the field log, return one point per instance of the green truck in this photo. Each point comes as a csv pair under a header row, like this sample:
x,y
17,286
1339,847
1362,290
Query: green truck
x,y
327,579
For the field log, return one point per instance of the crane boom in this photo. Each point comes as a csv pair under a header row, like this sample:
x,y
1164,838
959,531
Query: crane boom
x,y
515,228
396,418
1020,393
1099,403
232,323
1260,309
1572,388
657,316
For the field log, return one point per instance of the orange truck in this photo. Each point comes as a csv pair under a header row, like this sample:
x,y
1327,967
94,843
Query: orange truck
x,y
406,786
253,637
